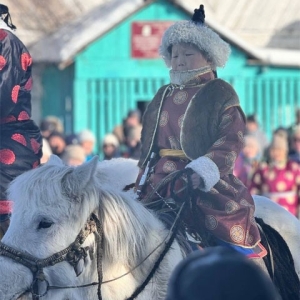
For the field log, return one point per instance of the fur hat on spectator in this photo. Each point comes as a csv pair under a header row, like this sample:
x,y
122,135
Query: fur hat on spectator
x,y
52,123
110,139
86,135
197,33
73,152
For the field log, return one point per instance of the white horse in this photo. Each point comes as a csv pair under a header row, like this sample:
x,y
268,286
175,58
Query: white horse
x,y
52,206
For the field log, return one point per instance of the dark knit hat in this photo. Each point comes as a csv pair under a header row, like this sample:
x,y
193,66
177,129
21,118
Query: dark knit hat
x,y
56,133
219,273
5,16
47,126
72,139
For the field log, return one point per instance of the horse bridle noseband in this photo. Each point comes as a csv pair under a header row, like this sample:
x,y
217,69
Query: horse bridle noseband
x,y
72,254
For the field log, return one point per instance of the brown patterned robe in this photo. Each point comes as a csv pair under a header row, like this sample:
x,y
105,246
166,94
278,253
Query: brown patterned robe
x,y
227,209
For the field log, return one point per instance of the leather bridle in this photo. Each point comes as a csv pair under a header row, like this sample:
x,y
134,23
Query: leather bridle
x,y
72,254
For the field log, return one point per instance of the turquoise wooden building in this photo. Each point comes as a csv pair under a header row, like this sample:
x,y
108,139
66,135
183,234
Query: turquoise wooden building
x,y
90,79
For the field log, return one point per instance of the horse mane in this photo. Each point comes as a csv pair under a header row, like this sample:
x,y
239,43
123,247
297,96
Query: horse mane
x,y
126,225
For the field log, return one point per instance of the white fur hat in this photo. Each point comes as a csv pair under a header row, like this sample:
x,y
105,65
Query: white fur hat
x,y
110,139
74,152
205,39
86,135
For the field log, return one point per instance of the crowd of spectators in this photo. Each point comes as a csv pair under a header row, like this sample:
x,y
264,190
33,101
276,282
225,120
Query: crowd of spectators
x,y
269,168
73,149
76,148
272,169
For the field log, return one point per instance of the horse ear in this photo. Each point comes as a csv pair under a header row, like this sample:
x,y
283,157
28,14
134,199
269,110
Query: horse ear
x,y
54,160
85,172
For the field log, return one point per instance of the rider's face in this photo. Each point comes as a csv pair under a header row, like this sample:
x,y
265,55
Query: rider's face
x,y
186,57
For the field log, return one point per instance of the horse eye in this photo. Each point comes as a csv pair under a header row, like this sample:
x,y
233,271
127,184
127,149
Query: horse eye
x,y
45,224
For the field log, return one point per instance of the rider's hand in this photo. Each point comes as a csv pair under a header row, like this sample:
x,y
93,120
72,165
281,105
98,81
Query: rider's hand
x,y
197,181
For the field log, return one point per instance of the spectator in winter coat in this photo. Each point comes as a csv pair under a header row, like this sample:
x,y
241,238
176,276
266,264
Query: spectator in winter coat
x,y
279,179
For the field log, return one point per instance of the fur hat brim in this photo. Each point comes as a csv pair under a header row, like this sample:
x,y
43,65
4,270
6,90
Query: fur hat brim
x,y
215,50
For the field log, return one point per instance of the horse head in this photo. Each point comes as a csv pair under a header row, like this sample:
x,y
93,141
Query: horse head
x,y
52,204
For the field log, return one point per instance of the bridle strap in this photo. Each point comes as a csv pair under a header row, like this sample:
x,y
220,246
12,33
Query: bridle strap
x,y
32,262
99,242
35,264
72,254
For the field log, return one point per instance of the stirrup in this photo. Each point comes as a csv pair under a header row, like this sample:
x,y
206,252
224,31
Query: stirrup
x,y
259,251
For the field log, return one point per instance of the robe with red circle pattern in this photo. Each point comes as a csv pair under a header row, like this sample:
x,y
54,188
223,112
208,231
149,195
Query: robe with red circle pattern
x,y
20,137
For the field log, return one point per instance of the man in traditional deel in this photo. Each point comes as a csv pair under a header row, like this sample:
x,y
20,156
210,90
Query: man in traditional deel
x,y
196,122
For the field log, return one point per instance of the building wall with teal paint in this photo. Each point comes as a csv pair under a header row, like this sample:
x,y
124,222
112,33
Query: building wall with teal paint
x,y
57,99
108,82
272,93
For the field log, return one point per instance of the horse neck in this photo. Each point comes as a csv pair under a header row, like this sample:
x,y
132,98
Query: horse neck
x,y
128,227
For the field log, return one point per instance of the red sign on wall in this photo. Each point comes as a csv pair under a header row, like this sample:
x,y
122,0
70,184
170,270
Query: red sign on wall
x,y
146,38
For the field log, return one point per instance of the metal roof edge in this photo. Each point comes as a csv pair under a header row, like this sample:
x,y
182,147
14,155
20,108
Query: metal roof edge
x,y
64,44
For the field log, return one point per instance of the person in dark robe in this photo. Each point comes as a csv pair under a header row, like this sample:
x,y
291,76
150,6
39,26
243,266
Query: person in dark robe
x,y
20,137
